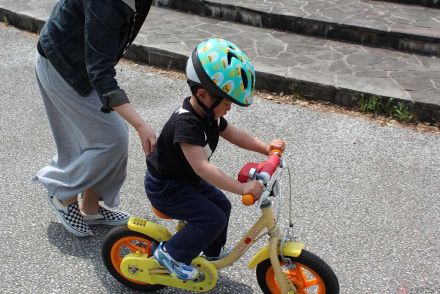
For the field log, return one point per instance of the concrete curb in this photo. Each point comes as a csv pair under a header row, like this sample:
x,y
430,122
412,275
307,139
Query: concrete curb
x,y
265,81
21,21
397,40
427,3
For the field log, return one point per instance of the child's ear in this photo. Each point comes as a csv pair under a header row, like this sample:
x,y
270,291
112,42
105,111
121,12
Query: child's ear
x,y
204,96
202,93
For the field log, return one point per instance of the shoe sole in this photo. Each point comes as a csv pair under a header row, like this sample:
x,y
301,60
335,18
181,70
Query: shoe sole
x,y
64,223
106,222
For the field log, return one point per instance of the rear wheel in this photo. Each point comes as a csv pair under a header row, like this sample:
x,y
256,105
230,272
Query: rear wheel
x,y
310,274
121,241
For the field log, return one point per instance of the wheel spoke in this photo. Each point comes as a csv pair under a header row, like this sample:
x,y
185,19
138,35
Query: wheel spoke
x,y
306,281
300,275
134,248
310,283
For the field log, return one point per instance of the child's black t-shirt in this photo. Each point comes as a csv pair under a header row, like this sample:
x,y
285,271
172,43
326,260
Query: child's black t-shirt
x,y
184,126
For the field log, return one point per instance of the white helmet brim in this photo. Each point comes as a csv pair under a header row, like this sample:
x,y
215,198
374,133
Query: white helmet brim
x,y
191,72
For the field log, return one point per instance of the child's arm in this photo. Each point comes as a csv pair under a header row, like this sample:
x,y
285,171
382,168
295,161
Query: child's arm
x,y
197,158
247,141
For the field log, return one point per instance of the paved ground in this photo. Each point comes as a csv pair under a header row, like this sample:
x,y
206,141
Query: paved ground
x,y
427,3
366,197
378,15
313,67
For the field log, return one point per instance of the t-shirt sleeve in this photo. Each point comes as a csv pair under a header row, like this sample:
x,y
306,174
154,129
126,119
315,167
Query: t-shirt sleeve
x,y
223,123
188,130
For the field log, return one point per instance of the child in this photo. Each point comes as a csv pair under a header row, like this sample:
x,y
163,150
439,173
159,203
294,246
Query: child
x,y
180,181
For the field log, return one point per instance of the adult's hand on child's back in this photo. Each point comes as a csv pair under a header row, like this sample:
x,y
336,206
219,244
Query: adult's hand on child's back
x,y
253,187
146,133
148,138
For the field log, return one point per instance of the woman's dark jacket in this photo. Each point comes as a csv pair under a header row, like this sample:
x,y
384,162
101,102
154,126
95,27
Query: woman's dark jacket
x,y
84,40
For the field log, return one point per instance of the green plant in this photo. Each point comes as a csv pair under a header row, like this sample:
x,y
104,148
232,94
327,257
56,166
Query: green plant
x,y
5,20
402,113
374,104
370,104
386,108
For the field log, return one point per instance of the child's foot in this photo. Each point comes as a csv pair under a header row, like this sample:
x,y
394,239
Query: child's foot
x,y
106,217
70,217
179,269
224,251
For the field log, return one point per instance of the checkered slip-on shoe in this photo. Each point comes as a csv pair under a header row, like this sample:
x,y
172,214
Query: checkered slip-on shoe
x,y
70,217
107,217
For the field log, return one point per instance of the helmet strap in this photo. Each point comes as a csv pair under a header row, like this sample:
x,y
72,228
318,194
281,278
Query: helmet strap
x,y
216,103
208,111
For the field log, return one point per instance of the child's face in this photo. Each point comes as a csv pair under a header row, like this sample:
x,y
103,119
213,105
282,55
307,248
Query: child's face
x,y
222,108
207,99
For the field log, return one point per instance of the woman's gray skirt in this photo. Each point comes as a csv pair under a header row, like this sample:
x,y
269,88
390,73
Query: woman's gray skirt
x,y
92,146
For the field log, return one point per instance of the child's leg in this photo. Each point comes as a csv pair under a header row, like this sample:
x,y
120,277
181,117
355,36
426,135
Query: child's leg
x,y
206,222
219,199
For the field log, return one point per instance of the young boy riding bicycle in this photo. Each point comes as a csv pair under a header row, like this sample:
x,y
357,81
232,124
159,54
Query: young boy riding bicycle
x,y
180,181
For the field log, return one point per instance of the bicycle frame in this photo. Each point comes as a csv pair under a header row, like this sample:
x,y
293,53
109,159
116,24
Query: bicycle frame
x,y
137,269
266,220
272,250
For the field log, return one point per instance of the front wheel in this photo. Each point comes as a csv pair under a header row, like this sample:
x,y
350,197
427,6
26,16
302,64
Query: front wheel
x,y
310,274
121,241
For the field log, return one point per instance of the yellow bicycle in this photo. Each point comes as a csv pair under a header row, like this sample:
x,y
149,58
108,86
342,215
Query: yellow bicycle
x,y
282,266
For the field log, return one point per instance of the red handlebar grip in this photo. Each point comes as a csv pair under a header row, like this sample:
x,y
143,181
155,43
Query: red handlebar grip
x,y
248,199
270,165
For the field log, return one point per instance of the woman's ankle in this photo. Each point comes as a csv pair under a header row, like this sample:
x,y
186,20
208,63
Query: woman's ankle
x,y
69,201
89,209
90,202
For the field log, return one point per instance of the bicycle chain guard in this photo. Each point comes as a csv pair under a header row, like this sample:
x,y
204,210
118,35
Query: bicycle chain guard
x,y
141,268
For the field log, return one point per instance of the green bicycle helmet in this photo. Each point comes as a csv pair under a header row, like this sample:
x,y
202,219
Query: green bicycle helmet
x,y
222,69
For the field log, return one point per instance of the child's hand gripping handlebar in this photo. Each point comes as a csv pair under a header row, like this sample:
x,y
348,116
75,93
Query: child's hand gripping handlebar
x,y
261,172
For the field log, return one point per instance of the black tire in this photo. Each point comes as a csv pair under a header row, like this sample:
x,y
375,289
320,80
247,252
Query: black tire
x,y
111,252
310,264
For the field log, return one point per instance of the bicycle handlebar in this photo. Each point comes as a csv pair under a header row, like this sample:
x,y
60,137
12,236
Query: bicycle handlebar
x,y
264,170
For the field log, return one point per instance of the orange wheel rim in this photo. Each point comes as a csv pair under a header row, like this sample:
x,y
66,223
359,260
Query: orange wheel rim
x,y
302,277
126,245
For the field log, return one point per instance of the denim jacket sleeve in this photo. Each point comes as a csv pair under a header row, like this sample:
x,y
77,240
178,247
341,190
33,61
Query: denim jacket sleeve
x,y
107,29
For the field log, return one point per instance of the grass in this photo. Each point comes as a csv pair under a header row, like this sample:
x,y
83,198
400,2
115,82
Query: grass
x,y
401,113
386,106
370,105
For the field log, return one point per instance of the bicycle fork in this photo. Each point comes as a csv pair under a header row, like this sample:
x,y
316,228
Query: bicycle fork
x,y
286,286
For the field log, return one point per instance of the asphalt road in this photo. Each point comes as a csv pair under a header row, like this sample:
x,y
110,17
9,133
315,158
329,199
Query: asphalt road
x,y
366,197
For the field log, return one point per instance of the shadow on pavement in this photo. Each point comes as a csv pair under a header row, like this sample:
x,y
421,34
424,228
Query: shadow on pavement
x,y
82,247
85,248
90,248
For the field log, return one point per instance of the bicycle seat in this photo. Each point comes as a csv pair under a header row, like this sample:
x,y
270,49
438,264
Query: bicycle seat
x,y
160,214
